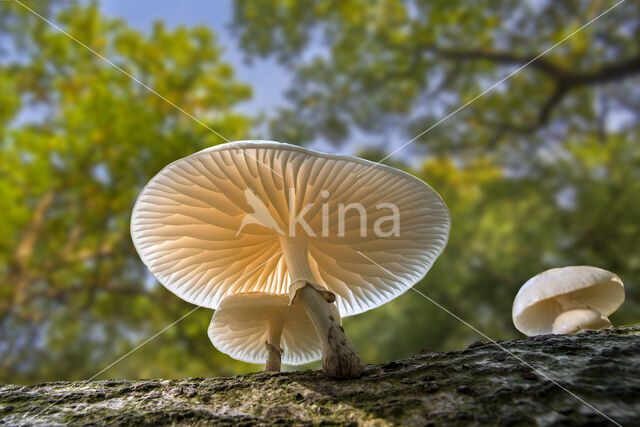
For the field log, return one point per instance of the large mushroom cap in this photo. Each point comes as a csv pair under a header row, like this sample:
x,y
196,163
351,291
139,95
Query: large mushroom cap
x,y
240,328
543,297
208,225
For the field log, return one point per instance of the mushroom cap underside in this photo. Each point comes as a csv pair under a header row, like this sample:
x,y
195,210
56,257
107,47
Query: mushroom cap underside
x,y
208,225
240,328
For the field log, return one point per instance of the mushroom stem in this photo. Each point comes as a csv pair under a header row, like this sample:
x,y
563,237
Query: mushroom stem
x,y
340,358
295,253
576,319
274,358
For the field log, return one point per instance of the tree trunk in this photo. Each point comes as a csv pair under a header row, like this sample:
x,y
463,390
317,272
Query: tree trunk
x,y
479,385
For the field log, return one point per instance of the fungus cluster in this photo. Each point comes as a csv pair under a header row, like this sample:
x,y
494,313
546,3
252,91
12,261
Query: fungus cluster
x,y
282,241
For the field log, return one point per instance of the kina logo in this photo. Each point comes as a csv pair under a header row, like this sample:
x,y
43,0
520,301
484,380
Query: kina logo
x,y
260,215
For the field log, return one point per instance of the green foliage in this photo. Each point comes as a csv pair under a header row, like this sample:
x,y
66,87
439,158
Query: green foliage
x,y
74,294
540,172
372,65
579,209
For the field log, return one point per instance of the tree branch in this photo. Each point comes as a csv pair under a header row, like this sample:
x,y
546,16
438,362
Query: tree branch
x,y
506,58
25,246
480,385
18,275
605,74
565,80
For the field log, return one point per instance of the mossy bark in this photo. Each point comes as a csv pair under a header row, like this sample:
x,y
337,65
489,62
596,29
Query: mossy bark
x,y
479,385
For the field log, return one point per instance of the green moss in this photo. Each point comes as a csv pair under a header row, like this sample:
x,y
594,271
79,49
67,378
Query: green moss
x,y
481,385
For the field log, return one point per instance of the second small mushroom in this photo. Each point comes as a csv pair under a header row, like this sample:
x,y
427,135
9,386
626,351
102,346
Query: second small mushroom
x,y
264,328
566,300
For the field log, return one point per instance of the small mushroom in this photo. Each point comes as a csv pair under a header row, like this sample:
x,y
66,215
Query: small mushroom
x,y
264,328
259,216
566,300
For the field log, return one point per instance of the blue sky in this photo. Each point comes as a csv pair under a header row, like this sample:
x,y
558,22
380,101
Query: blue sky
x,y
268,79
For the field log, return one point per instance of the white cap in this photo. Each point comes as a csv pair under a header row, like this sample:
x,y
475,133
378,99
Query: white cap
x,y
548,294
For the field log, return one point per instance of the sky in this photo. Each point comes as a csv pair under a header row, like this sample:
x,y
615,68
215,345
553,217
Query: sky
x,y
268,79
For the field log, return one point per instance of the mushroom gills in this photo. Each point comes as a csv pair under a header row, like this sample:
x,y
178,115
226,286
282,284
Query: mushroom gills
x,y
340,358
576,319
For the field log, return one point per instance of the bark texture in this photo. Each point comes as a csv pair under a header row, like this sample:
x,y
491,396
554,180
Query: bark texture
x,y
479,385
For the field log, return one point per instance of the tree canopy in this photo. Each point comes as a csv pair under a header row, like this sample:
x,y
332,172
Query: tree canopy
x,y
541,172
78,143
403,65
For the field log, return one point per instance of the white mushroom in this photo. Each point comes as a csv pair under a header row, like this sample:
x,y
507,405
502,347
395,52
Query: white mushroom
x,y
264,328
260,216
566,300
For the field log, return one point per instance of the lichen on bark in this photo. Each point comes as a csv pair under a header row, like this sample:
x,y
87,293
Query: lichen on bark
x,y
482,384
